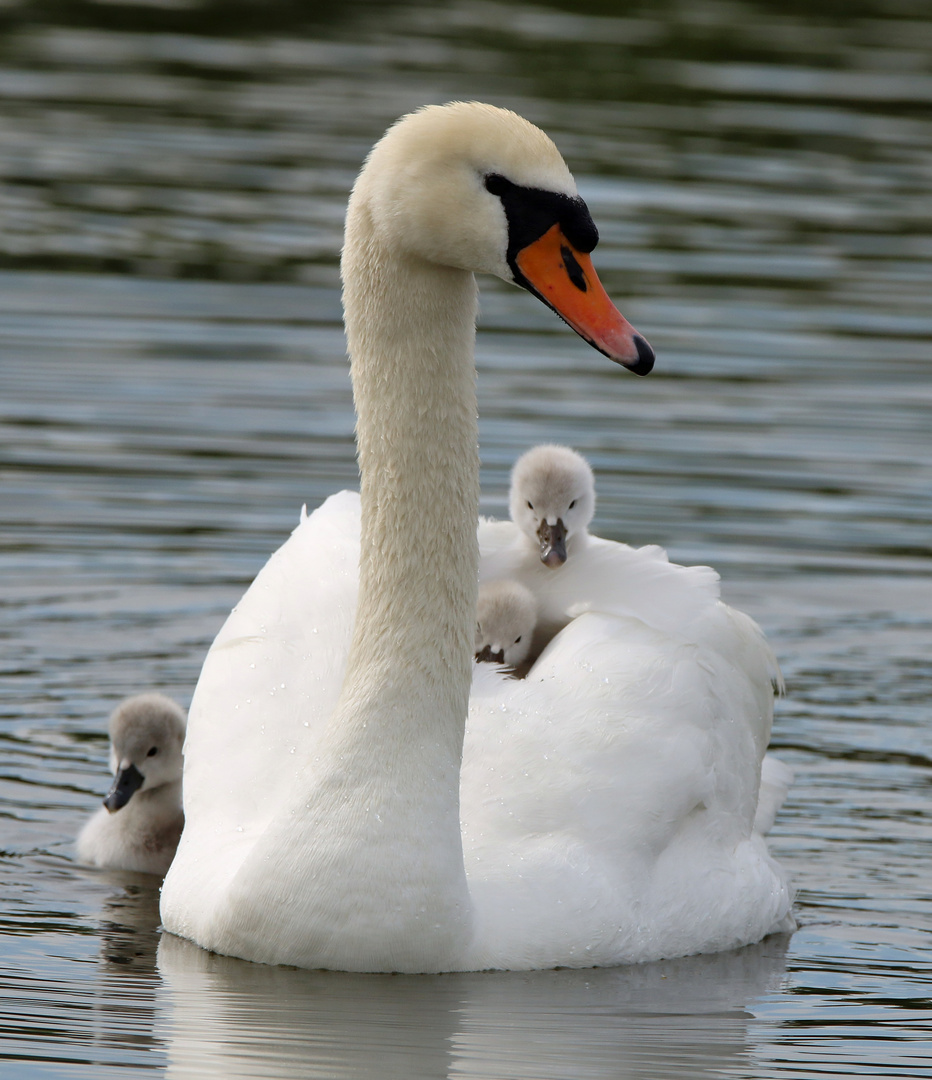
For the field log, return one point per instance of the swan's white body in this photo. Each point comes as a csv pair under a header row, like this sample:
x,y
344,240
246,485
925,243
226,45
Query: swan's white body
x,y
607,802
141,833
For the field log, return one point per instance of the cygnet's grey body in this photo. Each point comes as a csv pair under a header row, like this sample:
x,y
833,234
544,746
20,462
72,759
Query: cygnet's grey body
x,y
552,501
506,614
140,823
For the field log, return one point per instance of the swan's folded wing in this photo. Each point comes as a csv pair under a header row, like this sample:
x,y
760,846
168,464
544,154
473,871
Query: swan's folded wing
x,y
620,580
628,758
616,722
681,602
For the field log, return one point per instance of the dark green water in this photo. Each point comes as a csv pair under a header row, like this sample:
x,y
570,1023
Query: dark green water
x,y
173,388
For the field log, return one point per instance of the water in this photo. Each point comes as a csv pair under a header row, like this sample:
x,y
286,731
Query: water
x,y
173,388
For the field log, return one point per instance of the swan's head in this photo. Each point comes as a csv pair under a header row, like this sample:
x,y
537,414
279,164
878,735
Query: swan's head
x,y
552,499
146,739
478,188
505,619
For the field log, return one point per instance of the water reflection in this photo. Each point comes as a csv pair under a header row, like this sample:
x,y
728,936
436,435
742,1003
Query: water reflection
x,y
677,1018
129,925
77,966
124,1014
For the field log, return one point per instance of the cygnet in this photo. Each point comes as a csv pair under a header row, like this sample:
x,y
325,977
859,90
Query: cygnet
x,y
552,501
505,618
140,823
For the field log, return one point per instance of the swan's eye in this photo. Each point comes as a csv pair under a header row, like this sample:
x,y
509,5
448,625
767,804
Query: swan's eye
x,y
530,505
572,504
153,751
497,185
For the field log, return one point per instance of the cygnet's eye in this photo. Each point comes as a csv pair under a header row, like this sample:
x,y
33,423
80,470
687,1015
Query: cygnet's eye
x,y
152,751
518,638
572,504
530,505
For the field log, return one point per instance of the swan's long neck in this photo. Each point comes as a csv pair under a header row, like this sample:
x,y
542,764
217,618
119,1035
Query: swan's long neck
x,y
387,852
414,385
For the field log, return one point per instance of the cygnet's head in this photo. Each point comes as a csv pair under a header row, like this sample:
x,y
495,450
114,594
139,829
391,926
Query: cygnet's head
x,y
552,500
146,739
505,619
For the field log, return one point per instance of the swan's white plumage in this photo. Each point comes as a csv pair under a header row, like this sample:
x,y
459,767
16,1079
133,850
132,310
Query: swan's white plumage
x,y
610,802
273,675
607,802
631,717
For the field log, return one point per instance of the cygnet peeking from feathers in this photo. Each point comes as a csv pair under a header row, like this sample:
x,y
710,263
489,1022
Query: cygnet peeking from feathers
x,y
140,823
552,501
505,618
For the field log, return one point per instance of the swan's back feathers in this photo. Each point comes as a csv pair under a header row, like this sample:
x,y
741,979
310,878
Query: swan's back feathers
x,y
681,601
604,576
544,802
678,700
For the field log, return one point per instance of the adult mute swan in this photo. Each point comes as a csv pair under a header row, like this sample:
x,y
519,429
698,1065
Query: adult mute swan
x,y
598,814
139,825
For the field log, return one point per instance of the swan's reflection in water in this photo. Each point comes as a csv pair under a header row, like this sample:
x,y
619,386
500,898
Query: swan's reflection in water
x,y
228,1018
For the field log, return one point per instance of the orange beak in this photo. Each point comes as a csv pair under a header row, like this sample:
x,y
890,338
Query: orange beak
x,y
565,279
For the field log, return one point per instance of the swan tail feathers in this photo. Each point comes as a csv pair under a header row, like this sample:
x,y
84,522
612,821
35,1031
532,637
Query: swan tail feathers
x,y
776,778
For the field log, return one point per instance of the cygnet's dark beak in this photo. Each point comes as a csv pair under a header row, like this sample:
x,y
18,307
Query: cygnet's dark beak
x,y
125,783
552,543
485,655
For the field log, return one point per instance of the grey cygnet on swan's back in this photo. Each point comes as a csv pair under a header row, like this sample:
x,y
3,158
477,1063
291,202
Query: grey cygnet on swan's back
x,y
506,615
552,500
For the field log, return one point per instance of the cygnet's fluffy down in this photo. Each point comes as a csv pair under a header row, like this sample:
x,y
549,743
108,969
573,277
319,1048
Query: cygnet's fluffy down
x,y
505,618
140,823
552,501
